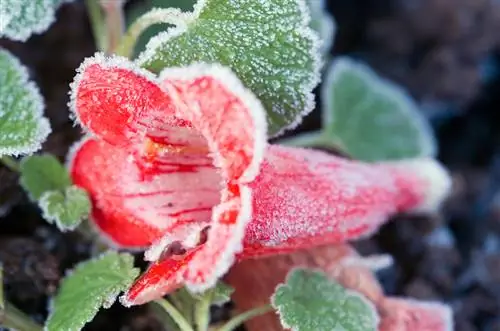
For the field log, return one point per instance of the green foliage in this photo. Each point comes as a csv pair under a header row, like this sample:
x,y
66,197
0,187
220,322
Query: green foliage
x,y
370,118
65,208
323,23
48,182
20,18
142,8
268,44
308,301
22,125
91,285
41,173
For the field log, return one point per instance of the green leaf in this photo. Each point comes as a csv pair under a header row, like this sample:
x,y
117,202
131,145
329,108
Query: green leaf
x,y
65,208
268,44
91,285
222,293
22,125
371,118
142,8
308,301
20,18
323,23
41,173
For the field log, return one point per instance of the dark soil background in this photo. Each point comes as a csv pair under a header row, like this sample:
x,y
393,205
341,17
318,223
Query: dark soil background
x,y
446,52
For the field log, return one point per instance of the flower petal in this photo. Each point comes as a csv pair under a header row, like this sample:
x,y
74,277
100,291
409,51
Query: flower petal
x,y
229,116
162,277
119,102
304,198
413,315
135,202
233,122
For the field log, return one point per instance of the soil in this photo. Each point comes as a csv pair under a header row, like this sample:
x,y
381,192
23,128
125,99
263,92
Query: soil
x,y
445,52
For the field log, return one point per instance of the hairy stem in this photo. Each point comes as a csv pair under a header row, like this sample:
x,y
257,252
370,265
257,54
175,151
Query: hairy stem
x,y
175,314
10,163
156,16
243,317
13,318
202,311
97,23
115,23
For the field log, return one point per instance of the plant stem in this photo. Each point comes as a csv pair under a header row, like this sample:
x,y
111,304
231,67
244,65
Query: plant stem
x,y
156,16
175,314
202,310
11,317
115,23
97,23
242,318
10,163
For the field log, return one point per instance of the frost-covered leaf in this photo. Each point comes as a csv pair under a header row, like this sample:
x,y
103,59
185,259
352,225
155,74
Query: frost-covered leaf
x,y
90,286
323,23
268,44
19,19
308,301
142,8
22,125
371,118
222,293
41,173
65,208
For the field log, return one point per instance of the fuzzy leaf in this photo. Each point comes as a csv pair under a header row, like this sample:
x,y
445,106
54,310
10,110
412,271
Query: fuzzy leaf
x,y
41,173
323,23
19,19
371,118
22,125
222,293
91,285
268,44
65,208
308,301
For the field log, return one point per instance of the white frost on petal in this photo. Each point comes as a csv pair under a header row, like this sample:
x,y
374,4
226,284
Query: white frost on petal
x,y
105,62
436,178
188,234
24,128
230,82
234,245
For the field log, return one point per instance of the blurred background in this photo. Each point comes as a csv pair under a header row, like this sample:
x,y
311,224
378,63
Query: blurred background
x,y
446,53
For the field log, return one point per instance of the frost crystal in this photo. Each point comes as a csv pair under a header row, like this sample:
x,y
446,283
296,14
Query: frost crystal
x,y
19,19
23,127
268,44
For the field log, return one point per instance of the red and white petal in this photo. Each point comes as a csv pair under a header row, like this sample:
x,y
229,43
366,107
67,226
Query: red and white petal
x,y
304,198
412,315
162,277
230,117
233,122
134,201
119,102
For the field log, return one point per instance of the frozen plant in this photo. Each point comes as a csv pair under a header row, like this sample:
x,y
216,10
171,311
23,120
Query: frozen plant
x,y
176,162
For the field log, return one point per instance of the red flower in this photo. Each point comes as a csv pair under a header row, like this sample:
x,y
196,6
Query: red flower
x,y
181,161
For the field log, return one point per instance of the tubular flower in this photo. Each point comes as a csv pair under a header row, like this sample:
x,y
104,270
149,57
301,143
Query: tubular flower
x,y
180,163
